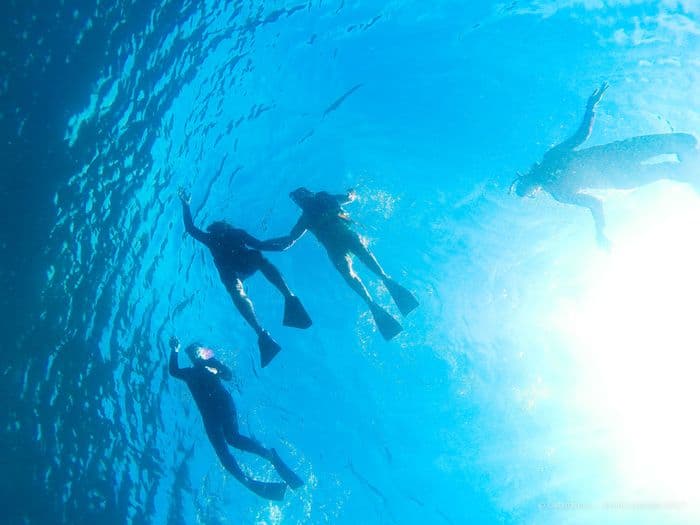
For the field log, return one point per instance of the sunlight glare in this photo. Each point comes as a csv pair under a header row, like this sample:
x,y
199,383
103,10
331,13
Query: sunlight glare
x,y
635,335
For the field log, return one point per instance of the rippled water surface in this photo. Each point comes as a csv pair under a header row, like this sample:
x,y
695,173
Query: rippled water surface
x,y
542,380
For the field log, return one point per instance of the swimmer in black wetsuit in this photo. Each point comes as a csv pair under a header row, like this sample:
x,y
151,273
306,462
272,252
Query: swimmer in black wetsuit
x,y
237,257
323,215
568,173
218,412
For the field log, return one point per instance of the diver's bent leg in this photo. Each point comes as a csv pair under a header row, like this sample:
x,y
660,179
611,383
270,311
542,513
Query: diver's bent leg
x,y
386,324
268,347
689,160
360,249
235,439
631,163
682,145
216,437
274,491
286,473
244,304
294,313
634,150
343,263
688,148
403,298
273,275
248,444
646,146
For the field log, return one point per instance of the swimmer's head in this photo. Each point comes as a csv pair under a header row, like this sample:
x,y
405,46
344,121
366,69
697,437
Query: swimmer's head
x,y
526,185
198,353
527,188
301,196
219,228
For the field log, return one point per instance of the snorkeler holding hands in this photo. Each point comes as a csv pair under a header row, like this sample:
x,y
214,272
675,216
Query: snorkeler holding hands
x,y
237,257
323,215
569,174
218,412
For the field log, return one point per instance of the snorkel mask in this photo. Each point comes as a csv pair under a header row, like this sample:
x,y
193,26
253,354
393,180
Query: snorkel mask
x,y
524,185
198,353
203,357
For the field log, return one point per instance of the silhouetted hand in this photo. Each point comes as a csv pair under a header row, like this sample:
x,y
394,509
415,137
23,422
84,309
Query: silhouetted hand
x,y
174,344
185,197
598,94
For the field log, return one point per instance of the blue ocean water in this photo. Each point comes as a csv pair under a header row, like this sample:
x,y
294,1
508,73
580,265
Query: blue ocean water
x,y
542,380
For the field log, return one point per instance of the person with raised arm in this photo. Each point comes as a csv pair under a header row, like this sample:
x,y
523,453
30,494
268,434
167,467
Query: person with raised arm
x,y
237,256
569,174
204,380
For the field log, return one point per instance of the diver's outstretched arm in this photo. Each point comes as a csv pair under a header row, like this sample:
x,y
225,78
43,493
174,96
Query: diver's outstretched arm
x,y
595,205
252,242
584,130
175,370
346,198
279,244
255,243
190,228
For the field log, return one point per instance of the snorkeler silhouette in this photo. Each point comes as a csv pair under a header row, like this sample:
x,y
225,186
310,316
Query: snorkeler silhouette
x,y
236,261
218,412
323,215
567,174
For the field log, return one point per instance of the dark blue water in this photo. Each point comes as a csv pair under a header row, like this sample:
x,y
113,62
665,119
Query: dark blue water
x,y
542,380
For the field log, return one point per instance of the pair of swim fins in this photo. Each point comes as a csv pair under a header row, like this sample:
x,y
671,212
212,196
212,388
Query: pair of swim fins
x,y
405,302
286,473
295,316
272,490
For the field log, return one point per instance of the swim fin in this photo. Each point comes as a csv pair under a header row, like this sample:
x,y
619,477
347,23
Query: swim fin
x,y
294,313
273,491
387,325
405,301
268,349
289,477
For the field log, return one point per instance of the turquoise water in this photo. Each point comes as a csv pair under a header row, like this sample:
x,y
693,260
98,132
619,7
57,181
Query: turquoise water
x,y
541,381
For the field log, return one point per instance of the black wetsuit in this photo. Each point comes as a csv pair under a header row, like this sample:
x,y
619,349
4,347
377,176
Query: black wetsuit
x,y
214,402
218,412
230,248
237,257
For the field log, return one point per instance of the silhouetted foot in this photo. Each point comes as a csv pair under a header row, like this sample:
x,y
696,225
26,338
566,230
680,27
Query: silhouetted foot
x,y
268,349
405,300
289,477
294,313
386,324
272,491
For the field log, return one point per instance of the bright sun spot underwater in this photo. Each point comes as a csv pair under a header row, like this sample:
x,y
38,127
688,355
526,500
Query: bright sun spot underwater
x,y
634,332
